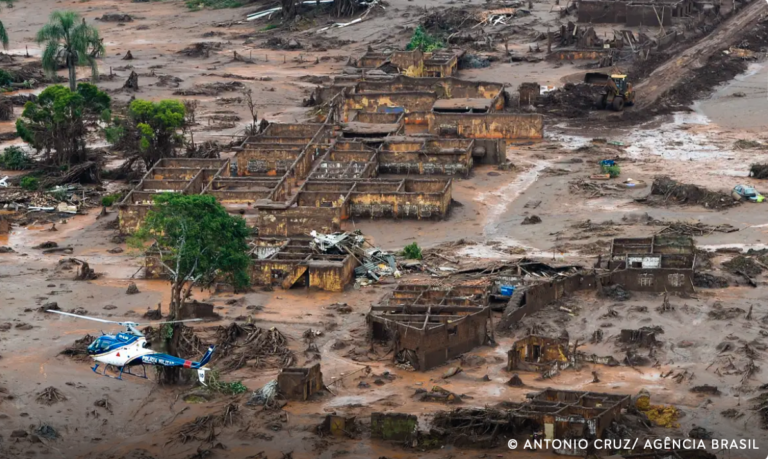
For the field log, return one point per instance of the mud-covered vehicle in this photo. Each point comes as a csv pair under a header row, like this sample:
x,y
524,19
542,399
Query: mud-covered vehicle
x,y
747,193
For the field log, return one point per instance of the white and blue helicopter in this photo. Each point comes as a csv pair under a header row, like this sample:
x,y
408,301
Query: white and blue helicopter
x,y
130,348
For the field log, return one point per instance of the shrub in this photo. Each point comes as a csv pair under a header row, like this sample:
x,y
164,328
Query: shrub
x,y
5,78
30,183
424,41
412,251
613,171
14,158
109,199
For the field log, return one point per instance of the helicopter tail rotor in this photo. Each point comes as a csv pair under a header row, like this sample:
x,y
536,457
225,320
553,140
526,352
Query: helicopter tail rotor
x,y
201,375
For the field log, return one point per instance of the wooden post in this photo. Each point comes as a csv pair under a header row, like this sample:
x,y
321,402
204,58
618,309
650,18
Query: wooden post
x,y
549,40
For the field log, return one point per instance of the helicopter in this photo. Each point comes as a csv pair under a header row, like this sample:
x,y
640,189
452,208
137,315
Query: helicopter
x,y
130,348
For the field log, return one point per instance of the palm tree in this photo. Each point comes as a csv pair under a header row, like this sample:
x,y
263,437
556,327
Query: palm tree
x,y
69,40
3,33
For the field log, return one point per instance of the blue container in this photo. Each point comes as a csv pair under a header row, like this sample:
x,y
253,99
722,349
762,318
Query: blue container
x,y
507,290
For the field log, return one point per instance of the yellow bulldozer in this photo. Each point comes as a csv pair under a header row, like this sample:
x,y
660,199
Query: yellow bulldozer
x,y
617,94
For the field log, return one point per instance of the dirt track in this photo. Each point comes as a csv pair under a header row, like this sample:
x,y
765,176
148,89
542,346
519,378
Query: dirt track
x,y
674,71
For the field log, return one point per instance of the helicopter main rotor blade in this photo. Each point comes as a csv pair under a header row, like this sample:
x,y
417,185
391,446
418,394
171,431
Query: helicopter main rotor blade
x,y
84,317
170,322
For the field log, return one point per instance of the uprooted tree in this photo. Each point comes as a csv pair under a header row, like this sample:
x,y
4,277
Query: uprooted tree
x,y
198,244
57,122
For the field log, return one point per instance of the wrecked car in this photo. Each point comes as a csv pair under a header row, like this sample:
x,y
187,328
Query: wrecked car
x,y
748,193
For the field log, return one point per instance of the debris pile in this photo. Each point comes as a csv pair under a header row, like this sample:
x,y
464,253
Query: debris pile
x,y
668,190
211,89
50,396
707,280
115,17
203,428
239,345
84,270
202,49
374,262
593,189
684,228
477,426
266,396
570,101
743,264
660,415
759,171
445,21
79,349
616,292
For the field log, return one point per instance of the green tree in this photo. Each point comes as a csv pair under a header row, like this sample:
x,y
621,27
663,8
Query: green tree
x,y
424,41
3,32
69,40
56,122
157,126
198,243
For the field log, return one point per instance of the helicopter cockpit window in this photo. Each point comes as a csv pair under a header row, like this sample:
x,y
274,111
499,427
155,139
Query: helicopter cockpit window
x,y
99,345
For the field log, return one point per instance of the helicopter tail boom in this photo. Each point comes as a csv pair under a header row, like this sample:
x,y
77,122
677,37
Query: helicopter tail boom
x,y
207,357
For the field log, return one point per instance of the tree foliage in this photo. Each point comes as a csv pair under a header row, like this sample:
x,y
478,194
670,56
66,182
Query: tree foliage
x,y
3,33
68,40
56,122
198,243
15,159
151,128
424,41
412,251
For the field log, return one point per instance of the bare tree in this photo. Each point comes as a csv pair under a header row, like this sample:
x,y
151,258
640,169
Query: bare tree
x,y
344,7
190,119
290,9
252,129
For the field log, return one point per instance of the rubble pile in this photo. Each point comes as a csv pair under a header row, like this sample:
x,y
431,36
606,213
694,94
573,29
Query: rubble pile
x,y
759,171
449,20
464,426
680,227
666,190
211,89
374,262
744,264
202,49
570,101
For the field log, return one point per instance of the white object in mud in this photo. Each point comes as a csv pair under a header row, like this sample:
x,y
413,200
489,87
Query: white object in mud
x,y
4,182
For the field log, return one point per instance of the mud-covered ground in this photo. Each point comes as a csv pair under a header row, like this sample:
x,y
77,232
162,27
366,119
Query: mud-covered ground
x,y
707,337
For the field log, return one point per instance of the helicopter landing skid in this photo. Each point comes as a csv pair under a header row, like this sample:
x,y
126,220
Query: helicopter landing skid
x,y
123,370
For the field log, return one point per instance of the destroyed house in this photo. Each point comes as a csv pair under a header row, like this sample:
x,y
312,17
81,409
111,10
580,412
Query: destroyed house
x,y
426,157
571,414
295,383
294,262
440,63
322,205
654,264
422,95
169,175
431,324
536,353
